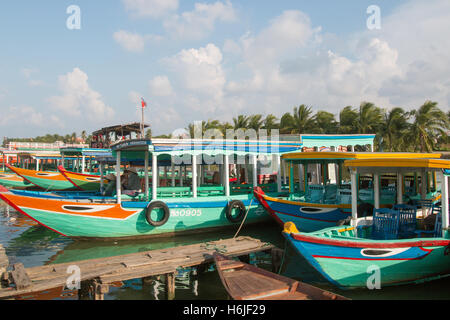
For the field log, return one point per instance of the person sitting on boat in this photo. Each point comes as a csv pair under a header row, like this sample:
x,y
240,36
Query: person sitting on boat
x,y
131,182
111,186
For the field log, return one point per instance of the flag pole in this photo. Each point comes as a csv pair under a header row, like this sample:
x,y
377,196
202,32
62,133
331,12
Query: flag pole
x,y
142,129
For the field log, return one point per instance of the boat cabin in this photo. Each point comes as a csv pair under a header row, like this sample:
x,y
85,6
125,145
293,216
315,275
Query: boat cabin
x,y
195,168
400,212
321,177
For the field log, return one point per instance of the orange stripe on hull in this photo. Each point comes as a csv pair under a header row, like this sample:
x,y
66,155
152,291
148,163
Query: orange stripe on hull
x,y
100,210
47,175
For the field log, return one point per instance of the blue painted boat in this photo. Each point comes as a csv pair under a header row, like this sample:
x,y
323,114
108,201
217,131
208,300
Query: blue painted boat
x,y
323,204
390,248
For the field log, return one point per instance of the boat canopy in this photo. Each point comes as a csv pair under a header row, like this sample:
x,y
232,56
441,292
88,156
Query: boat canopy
x,y
176,147
397,165
85,152
319,157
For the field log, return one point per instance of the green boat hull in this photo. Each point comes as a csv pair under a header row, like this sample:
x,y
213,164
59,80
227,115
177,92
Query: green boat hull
x,y
187,215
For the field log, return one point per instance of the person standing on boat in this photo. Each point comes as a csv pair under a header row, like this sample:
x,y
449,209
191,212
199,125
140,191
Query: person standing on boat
x,y
131,183
111,186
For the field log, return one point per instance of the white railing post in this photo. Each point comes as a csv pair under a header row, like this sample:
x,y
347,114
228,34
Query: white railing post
x,y
227,175
155,176
354,196
118,182
444,203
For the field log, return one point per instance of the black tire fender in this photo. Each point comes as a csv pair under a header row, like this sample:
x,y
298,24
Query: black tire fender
x,y
229,210
157,205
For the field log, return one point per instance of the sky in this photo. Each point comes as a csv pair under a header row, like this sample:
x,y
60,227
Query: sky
x,y
68,66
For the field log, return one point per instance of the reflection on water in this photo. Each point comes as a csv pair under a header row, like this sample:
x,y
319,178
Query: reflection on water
x,y
33,245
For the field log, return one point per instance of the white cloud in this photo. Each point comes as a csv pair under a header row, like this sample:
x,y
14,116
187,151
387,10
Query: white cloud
x,y
150,8
201,21
160,86
78,99
200,70
130,41
25,114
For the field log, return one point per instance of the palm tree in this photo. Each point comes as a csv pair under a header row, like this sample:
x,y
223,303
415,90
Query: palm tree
x,y
348,119
301,121
370,118
198,128
241,122
395,125
325,123
286,123
223,127
255,122
270,123
83,136
148,133
429,123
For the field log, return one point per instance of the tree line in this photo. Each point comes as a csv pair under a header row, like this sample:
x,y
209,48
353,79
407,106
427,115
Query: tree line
x,y
424,129
419,130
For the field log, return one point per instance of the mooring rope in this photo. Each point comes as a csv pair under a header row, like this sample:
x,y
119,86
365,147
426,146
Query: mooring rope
x,y
245,217
284,255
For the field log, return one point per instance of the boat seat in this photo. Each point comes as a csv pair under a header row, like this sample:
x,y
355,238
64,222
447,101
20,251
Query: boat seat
x,y
210,190
407,219
437,231
344,196
316,194
331,193
385,224
173,191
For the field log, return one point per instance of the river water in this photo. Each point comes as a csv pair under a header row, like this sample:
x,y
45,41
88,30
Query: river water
x,y
33,245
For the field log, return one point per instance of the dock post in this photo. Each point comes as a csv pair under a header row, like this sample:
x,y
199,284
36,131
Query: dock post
x,y
277,257
99,289
4,262
170,286
83,292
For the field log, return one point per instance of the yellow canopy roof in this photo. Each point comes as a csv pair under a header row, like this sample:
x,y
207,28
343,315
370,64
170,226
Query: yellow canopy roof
x,y
357,155
399,163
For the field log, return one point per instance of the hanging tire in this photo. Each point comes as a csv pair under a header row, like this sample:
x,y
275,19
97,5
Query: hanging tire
x,y
229,211
157,205
365,210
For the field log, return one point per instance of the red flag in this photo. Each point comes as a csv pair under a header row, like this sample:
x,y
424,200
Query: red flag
x,y
144,104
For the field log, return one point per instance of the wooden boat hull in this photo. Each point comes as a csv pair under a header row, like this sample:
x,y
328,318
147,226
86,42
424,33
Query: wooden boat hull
x,y
84,219
307,216
46,180
246,282
14,181
84,182
351,262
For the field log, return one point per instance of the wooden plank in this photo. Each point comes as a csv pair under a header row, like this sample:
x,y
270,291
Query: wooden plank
x,y
60,281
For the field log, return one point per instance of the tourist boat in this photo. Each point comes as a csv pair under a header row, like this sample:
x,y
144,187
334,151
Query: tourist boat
x,y
321,199
390,248
12,180
83,178
244,281
82,181
46,180
161,211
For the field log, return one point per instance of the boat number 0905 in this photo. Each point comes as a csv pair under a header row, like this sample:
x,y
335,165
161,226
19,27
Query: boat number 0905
x,y
186,213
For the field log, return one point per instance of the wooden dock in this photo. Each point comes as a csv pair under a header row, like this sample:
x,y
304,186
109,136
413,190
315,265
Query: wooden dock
x,y
95,276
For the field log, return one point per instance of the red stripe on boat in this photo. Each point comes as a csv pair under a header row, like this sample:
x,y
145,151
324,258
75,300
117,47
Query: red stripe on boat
x,y
359,244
